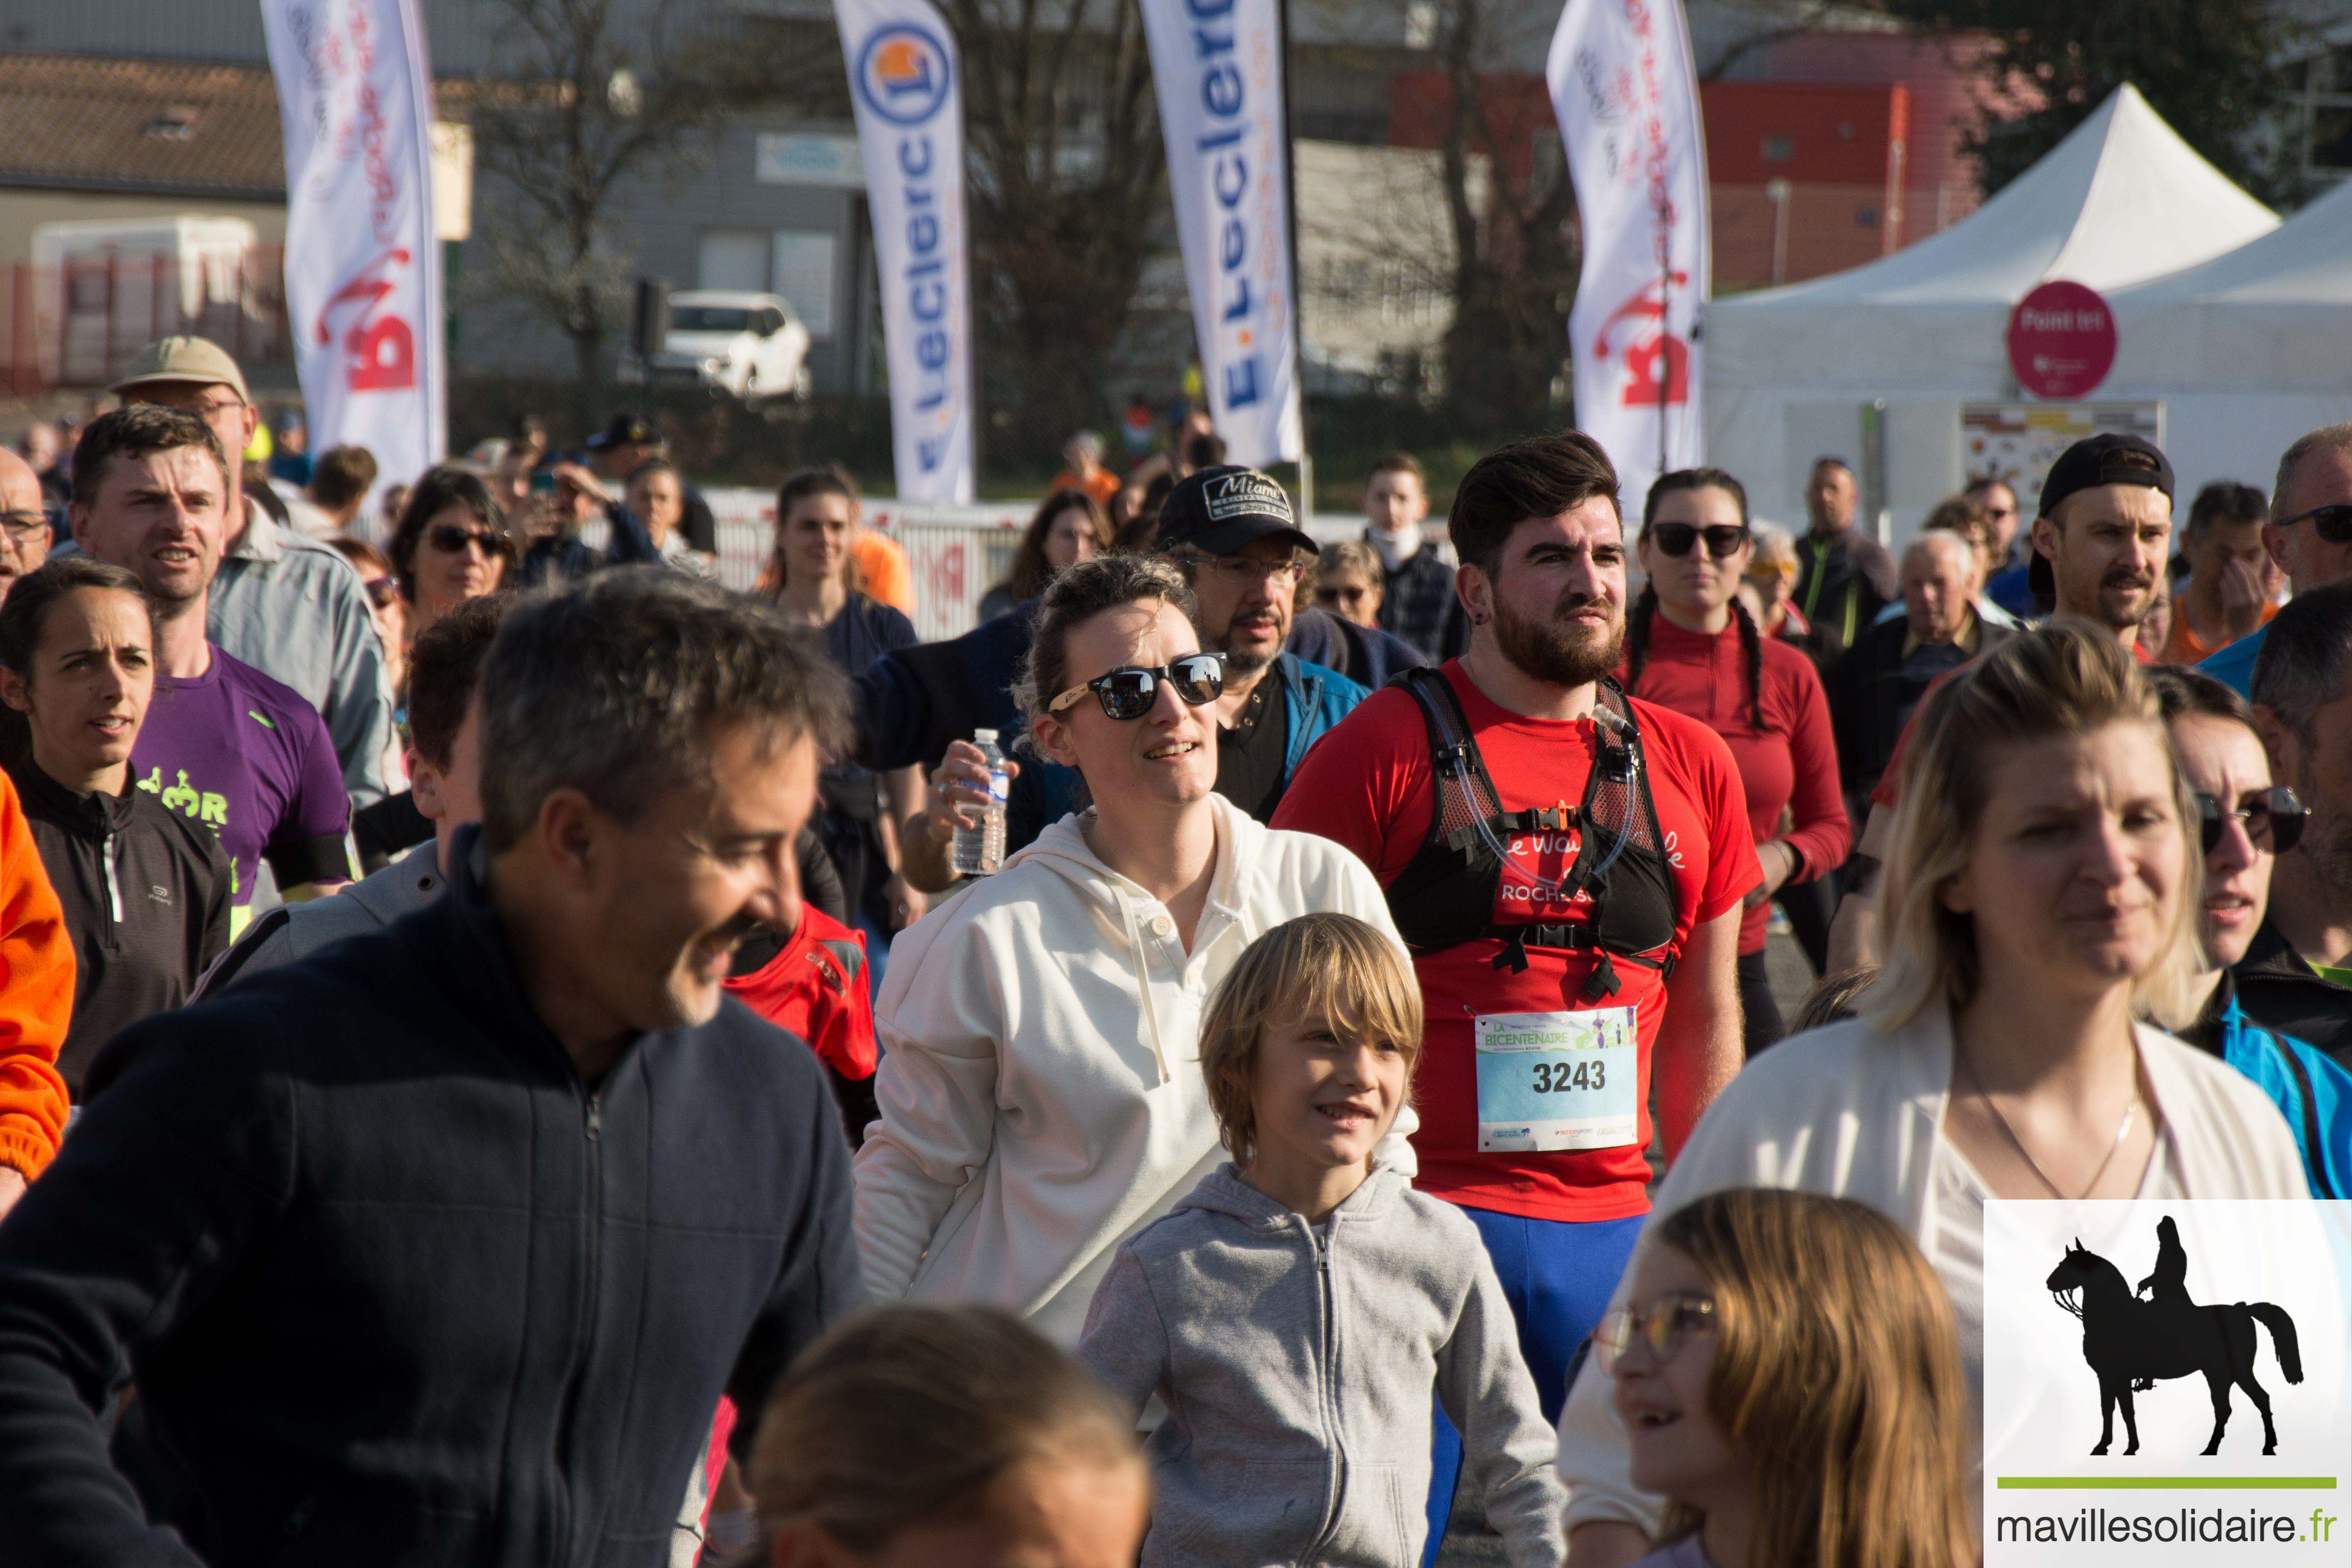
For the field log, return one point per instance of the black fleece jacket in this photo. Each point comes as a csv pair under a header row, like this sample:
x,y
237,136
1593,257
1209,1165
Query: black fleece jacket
x,y
146,893
2280,990
397,1286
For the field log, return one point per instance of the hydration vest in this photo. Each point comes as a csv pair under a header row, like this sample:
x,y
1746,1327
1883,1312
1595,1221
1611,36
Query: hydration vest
x,y
1446,895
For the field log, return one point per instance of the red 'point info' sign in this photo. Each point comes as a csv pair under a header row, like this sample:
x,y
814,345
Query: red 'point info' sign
x,y
2061,340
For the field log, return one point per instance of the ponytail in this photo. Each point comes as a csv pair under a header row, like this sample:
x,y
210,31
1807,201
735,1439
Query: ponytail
x,y
1752,647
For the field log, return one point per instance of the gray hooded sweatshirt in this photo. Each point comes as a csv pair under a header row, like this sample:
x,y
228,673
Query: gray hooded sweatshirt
x,y
1297,1368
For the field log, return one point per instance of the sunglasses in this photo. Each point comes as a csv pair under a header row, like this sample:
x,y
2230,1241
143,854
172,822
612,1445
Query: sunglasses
x,y
2274,818
451,540
1723,539
381,591
1125,694
2333,522
1662,1327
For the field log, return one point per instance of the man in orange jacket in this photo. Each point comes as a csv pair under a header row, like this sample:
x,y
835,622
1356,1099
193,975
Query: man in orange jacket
x,y
36,985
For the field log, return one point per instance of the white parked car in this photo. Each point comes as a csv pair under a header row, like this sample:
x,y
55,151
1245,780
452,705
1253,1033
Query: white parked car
x,y
735,341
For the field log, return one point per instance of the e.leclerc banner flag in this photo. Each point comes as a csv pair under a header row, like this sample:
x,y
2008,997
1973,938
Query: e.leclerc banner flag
x,y
1627,101
1216,68
905,81
362,266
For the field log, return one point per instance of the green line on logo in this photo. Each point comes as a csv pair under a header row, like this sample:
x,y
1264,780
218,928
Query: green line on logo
x,y
258,719
2168,1483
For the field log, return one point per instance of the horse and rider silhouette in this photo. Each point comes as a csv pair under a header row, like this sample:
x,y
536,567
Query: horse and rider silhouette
x,y
2131,1343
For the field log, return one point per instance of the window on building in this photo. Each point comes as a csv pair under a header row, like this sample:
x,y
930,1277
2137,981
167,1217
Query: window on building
x,y
2324,84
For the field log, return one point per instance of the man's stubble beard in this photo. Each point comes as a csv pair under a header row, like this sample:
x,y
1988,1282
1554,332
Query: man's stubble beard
x,y
2326,842
1546,651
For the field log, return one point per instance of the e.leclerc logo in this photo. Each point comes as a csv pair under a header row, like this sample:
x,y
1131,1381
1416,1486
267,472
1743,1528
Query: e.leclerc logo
x,y
903,73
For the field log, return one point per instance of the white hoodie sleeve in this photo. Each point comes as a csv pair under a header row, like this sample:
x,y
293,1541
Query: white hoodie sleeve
x,y
939,1022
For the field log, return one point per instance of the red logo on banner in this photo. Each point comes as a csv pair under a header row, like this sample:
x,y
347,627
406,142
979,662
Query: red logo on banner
x,y
380,350
1657,363
2061,340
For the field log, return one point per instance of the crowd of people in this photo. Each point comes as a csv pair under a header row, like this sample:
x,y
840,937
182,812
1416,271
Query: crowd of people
x,y
1357,1109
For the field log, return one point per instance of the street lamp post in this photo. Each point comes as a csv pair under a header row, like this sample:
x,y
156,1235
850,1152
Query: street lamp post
x,y
1779,191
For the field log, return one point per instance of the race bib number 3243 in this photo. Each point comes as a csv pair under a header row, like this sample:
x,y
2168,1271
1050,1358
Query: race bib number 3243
x,y
1557,1081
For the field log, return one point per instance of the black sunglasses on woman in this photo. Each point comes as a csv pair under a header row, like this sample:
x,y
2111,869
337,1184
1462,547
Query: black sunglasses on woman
x,y
1723,539
1198,678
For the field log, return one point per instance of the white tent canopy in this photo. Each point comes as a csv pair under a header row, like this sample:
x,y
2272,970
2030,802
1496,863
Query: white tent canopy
x,y
2248,350
2121,200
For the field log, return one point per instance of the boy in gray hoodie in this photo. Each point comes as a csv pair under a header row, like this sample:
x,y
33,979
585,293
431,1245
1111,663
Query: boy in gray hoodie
x,y
1296,1310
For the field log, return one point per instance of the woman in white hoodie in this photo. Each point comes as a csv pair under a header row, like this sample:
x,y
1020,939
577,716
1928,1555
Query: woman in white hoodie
x,y
1040,1093
2042,898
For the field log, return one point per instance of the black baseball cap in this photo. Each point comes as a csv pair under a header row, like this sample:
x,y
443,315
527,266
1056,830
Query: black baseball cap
x,y
625,430
1225,510
2111,457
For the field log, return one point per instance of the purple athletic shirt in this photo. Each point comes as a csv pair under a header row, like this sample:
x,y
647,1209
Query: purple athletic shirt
x,y
248,757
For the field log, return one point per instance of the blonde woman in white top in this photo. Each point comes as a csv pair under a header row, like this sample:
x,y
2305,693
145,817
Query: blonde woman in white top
x,y
2041,896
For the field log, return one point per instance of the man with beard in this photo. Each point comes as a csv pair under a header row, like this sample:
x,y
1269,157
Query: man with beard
x,y
2296,975
1568,865
1231,532
2101,543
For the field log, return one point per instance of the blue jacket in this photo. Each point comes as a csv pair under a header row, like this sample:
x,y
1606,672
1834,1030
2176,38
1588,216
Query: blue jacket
x,y
2233,667
1317,698
2312,1093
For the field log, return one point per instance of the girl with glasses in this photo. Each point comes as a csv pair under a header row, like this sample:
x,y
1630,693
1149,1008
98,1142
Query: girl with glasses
x,y
2244,823
2039,900
452,545
1041,1094
1788,1370
1692,647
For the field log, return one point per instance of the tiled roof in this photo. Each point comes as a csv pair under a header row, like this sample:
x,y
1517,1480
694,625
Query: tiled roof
x,y
89,122
83,122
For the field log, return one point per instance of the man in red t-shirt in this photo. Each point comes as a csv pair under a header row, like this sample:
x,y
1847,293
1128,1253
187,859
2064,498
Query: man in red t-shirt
x,y
2101,544
1535,1078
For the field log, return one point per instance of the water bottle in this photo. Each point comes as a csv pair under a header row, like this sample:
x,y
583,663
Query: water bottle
x,y
979,851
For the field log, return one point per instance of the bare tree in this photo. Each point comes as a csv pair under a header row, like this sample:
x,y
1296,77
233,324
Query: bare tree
x,y
581,96
1069,178
1514,257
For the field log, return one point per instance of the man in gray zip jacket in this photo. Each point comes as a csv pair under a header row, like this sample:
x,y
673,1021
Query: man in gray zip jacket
x,y
1297,1362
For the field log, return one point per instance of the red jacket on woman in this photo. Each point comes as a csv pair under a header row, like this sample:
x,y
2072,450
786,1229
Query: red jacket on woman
x,y
1790,763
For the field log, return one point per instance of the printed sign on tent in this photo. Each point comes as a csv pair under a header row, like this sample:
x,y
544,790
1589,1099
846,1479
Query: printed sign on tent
x,y
1623,90
1216,68
904,82
2061,340
362,264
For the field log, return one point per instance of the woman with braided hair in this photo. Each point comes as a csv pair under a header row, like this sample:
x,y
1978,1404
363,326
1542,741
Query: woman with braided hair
x,y
1692,646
